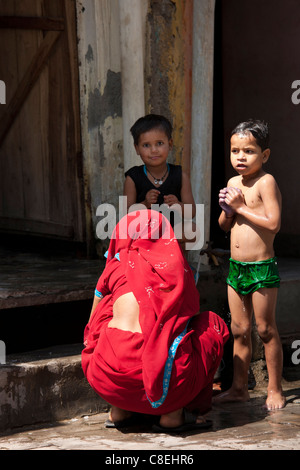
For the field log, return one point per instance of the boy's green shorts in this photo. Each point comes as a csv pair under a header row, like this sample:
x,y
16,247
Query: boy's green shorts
x,y
247,277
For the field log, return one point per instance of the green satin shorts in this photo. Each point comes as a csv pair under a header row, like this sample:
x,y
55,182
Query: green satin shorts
x,y
247,277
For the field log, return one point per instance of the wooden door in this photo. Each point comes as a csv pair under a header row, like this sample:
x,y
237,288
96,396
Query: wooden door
x,y
40,148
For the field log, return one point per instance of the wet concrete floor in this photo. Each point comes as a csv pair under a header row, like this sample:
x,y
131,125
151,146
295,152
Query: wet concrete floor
x,y
244,426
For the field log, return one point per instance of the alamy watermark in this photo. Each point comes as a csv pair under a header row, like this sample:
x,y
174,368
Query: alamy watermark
x,y
296,354
185,226
2,352
2,92
296,94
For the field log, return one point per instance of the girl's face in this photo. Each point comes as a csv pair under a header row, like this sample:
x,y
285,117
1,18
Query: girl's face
x,y
154,147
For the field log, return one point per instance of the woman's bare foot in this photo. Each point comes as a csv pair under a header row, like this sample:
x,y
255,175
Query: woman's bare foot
x,y
231,395
117,414
176,419
275,401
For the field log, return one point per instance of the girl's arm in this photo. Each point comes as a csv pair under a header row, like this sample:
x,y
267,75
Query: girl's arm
x,y
187,194
187,198
129,191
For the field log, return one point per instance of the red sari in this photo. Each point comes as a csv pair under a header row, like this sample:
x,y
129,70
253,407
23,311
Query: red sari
x,y
171,364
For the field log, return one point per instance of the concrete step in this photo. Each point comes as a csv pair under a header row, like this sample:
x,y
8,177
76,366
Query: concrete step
x,y
45,386
31,279
48,385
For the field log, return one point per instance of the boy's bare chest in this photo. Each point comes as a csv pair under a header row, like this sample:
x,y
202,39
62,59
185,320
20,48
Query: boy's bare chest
x,y
252,196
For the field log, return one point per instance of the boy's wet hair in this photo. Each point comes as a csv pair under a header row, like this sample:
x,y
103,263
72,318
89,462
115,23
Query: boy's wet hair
x,y
148,123
259,130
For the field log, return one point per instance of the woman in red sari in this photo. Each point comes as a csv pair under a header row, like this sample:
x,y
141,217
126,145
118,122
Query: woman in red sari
x,y
147,348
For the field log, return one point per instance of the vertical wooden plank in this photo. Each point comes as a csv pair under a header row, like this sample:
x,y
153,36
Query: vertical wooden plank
x,y
29,120
58,90
64,121
61,127
101,105
76,147
11,182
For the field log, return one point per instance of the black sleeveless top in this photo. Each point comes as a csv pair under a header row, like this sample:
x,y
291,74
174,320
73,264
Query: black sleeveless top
x,y
171,185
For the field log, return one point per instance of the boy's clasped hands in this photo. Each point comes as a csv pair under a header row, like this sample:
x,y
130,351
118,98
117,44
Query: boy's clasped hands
x,y
229,199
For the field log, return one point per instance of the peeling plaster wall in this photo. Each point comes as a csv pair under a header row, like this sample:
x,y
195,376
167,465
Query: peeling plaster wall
x,y
132,39
165,38
202,118
168,69
101,103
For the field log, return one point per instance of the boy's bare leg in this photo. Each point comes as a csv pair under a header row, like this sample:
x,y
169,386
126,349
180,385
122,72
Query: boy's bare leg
x,y
264,305
241,318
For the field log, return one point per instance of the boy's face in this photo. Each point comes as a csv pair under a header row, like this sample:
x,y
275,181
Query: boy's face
x,y
246,155
154,147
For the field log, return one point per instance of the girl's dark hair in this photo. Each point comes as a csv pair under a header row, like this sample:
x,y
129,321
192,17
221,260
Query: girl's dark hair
x,y
149,122
259,130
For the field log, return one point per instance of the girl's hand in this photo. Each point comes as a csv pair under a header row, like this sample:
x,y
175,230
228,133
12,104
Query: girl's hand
x,y
151,197
170,200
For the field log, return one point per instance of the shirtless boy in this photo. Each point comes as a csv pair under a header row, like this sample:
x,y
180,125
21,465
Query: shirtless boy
x,y
251,210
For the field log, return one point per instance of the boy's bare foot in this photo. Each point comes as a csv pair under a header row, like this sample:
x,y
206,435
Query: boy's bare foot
x,y
275,401
230,396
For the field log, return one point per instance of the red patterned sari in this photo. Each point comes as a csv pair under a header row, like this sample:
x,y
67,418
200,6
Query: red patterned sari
x,y
171,364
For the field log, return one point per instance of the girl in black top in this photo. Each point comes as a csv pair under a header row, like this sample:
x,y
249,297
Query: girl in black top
x,y
156,181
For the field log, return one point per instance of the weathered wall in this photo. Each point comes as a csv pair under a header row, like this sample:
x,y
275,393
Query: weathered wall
x,y
139,60
169,69
101,103
133,40
116,88
202,100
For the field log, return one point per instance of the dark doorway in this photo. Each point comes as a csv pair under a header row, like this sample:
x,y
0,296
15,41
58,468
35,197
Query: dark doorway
x,y
256,63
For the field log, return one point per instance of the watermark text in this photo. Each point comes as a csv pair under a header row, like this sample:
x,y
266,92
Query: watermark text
x,y
2,352
296,354
2,92
185,226
296,94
